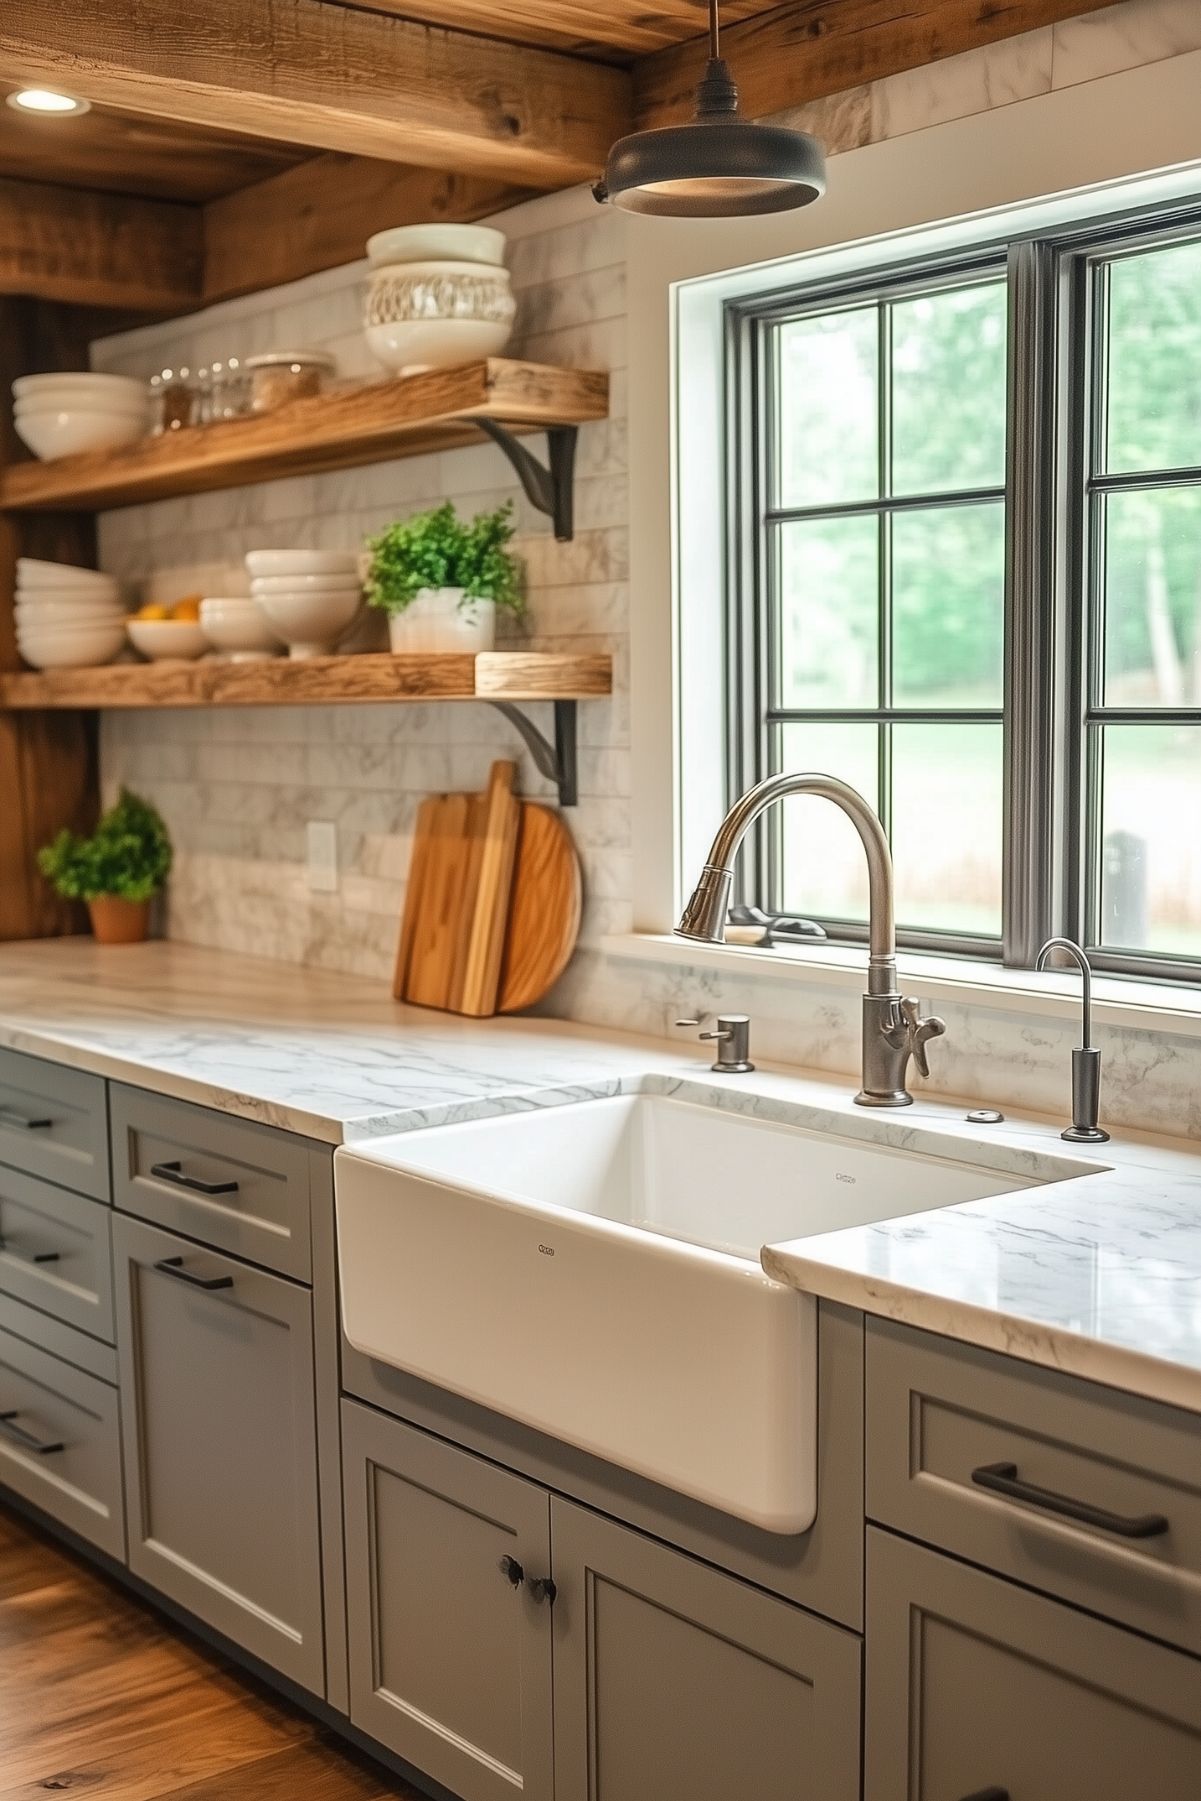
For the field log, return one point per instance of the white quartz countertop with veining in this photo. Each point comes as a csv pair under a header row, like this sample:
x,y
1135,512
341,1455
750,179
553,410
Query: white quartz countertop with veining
x,y
1098,1276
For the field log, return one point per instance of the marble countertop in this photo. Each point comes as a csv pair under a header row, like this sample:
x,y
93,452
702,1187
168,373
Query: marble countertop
x,y
1098,1276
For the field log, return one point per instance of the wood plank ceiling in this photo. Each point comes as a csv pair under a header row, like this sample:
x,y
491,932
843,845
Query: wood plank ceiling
x,y
340,117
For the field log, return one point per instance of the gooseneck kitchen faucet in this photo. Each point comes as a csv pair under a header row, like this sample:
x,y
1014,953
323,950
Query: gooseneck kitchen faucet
x,y
894,1028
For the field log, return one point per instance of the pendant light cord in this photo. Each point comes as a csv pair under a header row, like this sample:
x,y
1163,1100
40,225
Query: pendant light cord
x,y
714,32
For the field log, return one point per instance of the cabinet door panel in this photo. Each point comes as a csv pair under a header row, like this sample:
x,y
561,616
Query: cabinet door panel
x,y
450,1662
673,1680
60,1442
977,1686
220,1444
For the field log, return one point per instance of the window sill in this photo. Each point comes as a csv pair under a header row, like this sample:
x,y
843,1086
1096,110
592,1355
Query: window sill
x,y
1117,1001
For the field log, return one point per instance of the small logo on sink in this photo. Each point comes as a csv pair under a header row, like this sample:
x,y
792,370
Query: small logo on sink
x,y
546,1250
841,1176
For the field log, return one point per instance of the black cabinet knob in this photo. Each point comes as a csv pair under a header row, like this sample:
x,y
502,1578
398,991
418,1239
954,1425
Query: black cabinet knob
x,y
510,1568
988,1794
543,1589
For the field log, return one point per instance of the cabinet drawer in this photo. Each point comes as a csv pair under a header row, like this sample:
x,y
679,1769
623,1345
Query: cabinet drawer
x,y
60,1442
216,1362
978,1690
1079,1490
239,1186
56,1252
52,1123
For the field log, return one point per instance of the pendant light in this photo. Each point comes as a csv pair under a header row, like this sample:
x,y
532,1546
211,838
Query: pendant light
x,y
721,165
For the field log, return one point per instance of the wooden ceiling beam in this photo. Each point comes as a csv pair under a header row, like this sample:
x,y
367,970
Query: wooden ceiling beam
x,y
810,48
335,77
99,250
321,213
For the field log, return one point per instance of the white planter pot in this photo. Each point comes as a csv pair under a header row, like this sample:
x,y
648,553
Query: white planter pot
x,y
436,621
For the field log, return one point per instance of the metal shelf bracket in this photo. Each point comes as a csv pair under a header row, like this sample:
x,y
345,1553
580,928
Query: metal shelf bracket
x,y
557,761
548,486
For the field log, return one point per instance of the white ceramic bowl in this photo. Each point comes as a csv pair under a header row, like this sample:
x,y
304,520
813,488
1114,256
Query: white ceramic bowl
x,y
409,348
162,640
238,628
311,624
53,597
66,433
82,646
434,314
303,584
423,243
65,612
33,572
78,400
103,389
302,562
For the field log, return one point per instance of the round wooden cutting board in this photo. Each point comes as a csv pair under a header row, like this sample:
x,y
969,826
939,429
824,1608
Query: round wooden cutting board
x,y
544,912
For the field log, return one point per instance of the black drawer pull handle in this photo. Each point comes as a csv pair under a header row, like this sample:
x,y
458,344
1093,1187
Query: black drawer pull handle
x,y
173,1266
1003,1479
988,1794
510,1568
27,1123
41,1447
174,1172
11,1250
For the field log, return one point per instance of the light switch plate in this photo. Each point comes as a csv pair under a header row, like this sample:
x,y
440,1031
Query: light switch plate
x,y
322,861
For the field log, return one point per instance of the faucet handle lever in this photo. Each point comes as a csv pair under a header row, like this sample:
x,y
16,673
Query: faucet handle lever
x,y
920,1029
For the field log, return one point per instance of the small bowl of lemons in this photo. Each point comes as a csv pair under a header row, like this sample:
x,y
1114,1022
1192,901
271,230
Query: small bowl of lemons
x,y
168,632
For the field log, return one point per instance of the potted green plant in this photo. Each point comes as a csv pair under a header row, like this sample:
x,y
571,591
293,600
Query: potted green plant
x,y
117,871
440,579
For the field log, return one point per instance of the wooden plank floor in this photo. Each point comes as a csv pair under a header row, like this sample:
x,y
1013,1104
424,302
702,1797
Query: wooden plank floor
x,y
101,1696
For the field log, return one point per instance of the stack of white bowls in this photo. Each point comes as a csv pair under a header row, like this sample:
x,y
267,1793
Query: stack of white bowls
x,y
67,618
309,597
60,415
438,295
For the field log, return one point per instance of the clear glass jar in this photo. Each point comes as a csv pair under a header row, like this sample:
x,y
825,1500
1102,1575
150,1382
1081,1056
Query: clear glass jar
x,y
229,389
172,399
280,376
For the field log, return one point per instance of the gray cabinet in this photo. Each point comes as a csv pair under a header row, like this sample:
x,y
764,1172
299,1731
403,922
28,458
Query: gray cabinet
x,y
53,1123
55,1252
976,1687
675,1681
670,1679
216,1362
1091,1495
229,1182
450,1658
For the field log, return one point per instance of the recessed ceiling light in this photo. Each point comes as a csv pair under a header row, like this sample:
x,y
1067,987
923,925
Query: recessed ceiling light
x,y
44,100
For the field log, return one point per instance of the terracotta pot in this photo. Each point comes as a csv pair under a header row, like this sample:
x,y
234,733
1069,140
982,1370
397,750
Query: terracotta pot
x,y
117,921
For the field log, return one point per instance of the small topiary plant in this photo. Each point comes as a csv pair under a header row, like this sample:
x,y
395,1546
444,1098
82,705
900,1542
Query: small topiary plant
x,y
439,550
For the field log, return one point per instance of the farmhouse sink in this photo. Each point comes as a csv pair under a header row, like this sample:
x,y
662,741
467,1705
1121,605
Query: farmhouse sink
x,y
592,1270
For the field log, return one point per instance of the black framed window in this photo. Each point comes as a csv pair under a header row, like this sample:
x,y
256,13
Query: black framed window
x,y
965,576
1141,761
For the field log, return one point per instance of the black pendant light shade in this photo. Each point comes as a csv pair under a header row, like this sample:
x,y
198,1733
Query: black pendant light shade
x,y
719,166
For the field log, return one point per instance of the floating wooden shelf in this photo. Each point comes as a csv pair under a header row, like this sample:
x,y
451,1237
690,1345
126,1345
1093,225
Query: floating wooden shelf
x,y
503,676
407,416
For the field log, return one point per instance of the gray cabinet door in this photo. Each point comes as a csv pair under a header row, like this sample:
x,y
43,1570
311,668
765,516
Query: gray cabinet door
x,y
450,1659
977,1687
220,1443
674,1682
53,1123
55,1252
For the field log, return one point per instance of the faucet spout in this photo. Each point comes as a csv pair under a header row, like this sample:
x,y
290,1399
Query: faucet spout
x,y
704,917
894,1029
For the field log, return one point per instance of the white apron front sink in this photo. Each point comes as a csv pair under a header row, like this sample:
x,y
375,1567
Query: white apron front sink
x,y
592,1270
